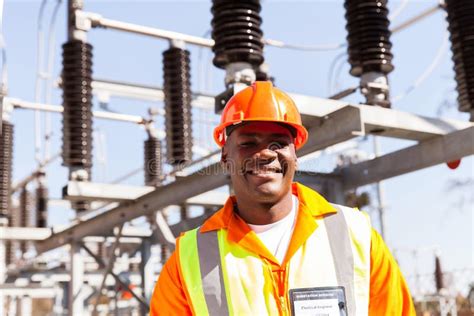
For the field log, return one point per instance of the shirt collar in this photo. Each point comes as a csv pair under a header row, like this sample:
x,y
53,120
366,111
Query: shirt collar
x,y
309,200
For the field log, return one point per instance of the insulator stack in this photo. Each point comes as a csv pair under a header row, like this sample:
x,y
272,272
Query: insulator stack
x,y
81,206
438,274
153,162
25,214
236,32
461,27
177,88
369,45
12,246
6,167
164,254
9,252
77,102
41,206
6,160
102,250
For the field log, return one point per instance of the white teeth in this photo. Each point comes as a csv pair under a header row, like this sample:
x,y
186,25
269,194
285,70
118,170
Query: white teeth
x,y
265,171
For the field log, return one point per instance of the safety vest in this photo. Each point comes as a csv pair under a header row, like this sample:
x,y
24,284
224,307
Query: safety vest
x,y
223,278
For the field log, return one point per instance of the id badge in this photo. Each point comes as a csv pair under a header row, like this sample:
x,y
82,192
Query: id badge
x,y
318,301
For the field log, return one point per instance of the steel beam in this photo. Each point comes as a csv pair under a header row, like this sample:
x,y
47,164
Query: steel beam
x,y
101,87
32,291
338,126
380,121
147,273
202,181
20,104
131,235
89,191
376,120
3,265
76,295
434,151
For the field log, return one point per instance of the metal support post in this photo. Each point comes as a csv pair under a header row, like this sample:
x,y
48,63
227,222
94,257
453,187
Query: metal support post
x,y
76,297
26,305
74,6
12,305
58,307
146,272
380,199
3,267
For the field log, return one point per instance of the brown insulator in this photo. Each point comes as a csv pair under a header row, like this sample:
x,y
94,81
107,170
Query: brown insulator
x,y
236,32
41,206
77,103
153,162
25,211
164,254
461,27
369,46
6,160
177,89
438,274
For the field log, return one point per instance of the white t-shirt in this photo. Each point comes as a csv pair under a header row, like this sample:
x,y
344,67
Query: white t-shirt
x,y
276,236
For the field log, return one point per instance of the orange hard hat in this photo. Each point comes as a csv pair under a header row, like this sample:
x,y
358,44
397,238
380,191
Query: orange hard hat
x,y
261,102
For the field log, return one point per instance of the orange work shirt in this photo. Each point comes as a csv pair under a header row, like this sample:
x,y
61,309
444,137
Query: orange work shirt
x,y
389,294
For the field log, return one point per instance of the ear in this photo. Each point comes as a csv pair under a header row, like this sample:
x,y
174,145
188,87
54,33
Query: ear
x,y
224,161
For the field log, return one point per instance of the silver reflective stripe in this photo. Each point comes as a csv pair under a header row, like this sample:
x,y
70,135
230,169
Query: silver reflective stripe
x,y
340,243
211,273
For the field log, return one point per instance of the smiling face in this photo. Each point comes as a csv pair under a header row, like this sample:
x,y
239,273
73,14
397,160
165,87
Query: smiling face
x,y
261,160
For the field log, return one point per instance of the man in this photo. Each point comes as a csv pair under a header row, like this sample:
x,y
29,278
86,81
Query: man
x,y
277,247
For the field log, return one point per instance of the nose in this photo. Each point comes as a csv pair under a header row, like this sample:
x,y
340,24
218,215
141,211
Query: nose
x,y
266,153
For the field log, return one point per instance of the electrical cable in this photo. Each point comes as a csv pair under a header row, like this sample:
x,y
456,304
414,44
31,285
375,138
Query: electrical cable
x,y
331,70
39,79
338,71
49,79
4,82
428,71
310,47
398,10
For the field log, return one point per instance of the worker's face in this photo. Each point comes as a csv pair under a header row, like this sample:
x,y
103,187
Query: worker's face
x,y
261,160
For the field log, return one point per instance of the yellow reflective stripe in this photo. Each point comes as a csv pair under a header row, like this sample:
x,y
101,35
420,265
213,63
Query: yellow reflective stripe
x,y
191,270
222,241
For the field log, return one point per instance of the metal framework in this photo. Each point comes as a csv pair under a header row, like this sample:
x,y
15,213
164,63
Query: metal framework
x,y
329,122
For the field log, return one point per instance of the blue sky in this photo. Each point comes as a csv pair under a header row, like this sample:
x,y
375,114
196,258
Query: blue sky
x,y
421,212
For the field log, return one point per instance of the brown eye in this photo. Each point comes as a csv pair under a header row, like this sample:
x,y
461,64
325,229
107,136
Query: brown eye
x,y
247,144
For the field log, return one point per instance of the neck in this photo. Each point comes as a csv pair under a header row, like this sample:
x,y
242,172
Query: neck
x,y
262,213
